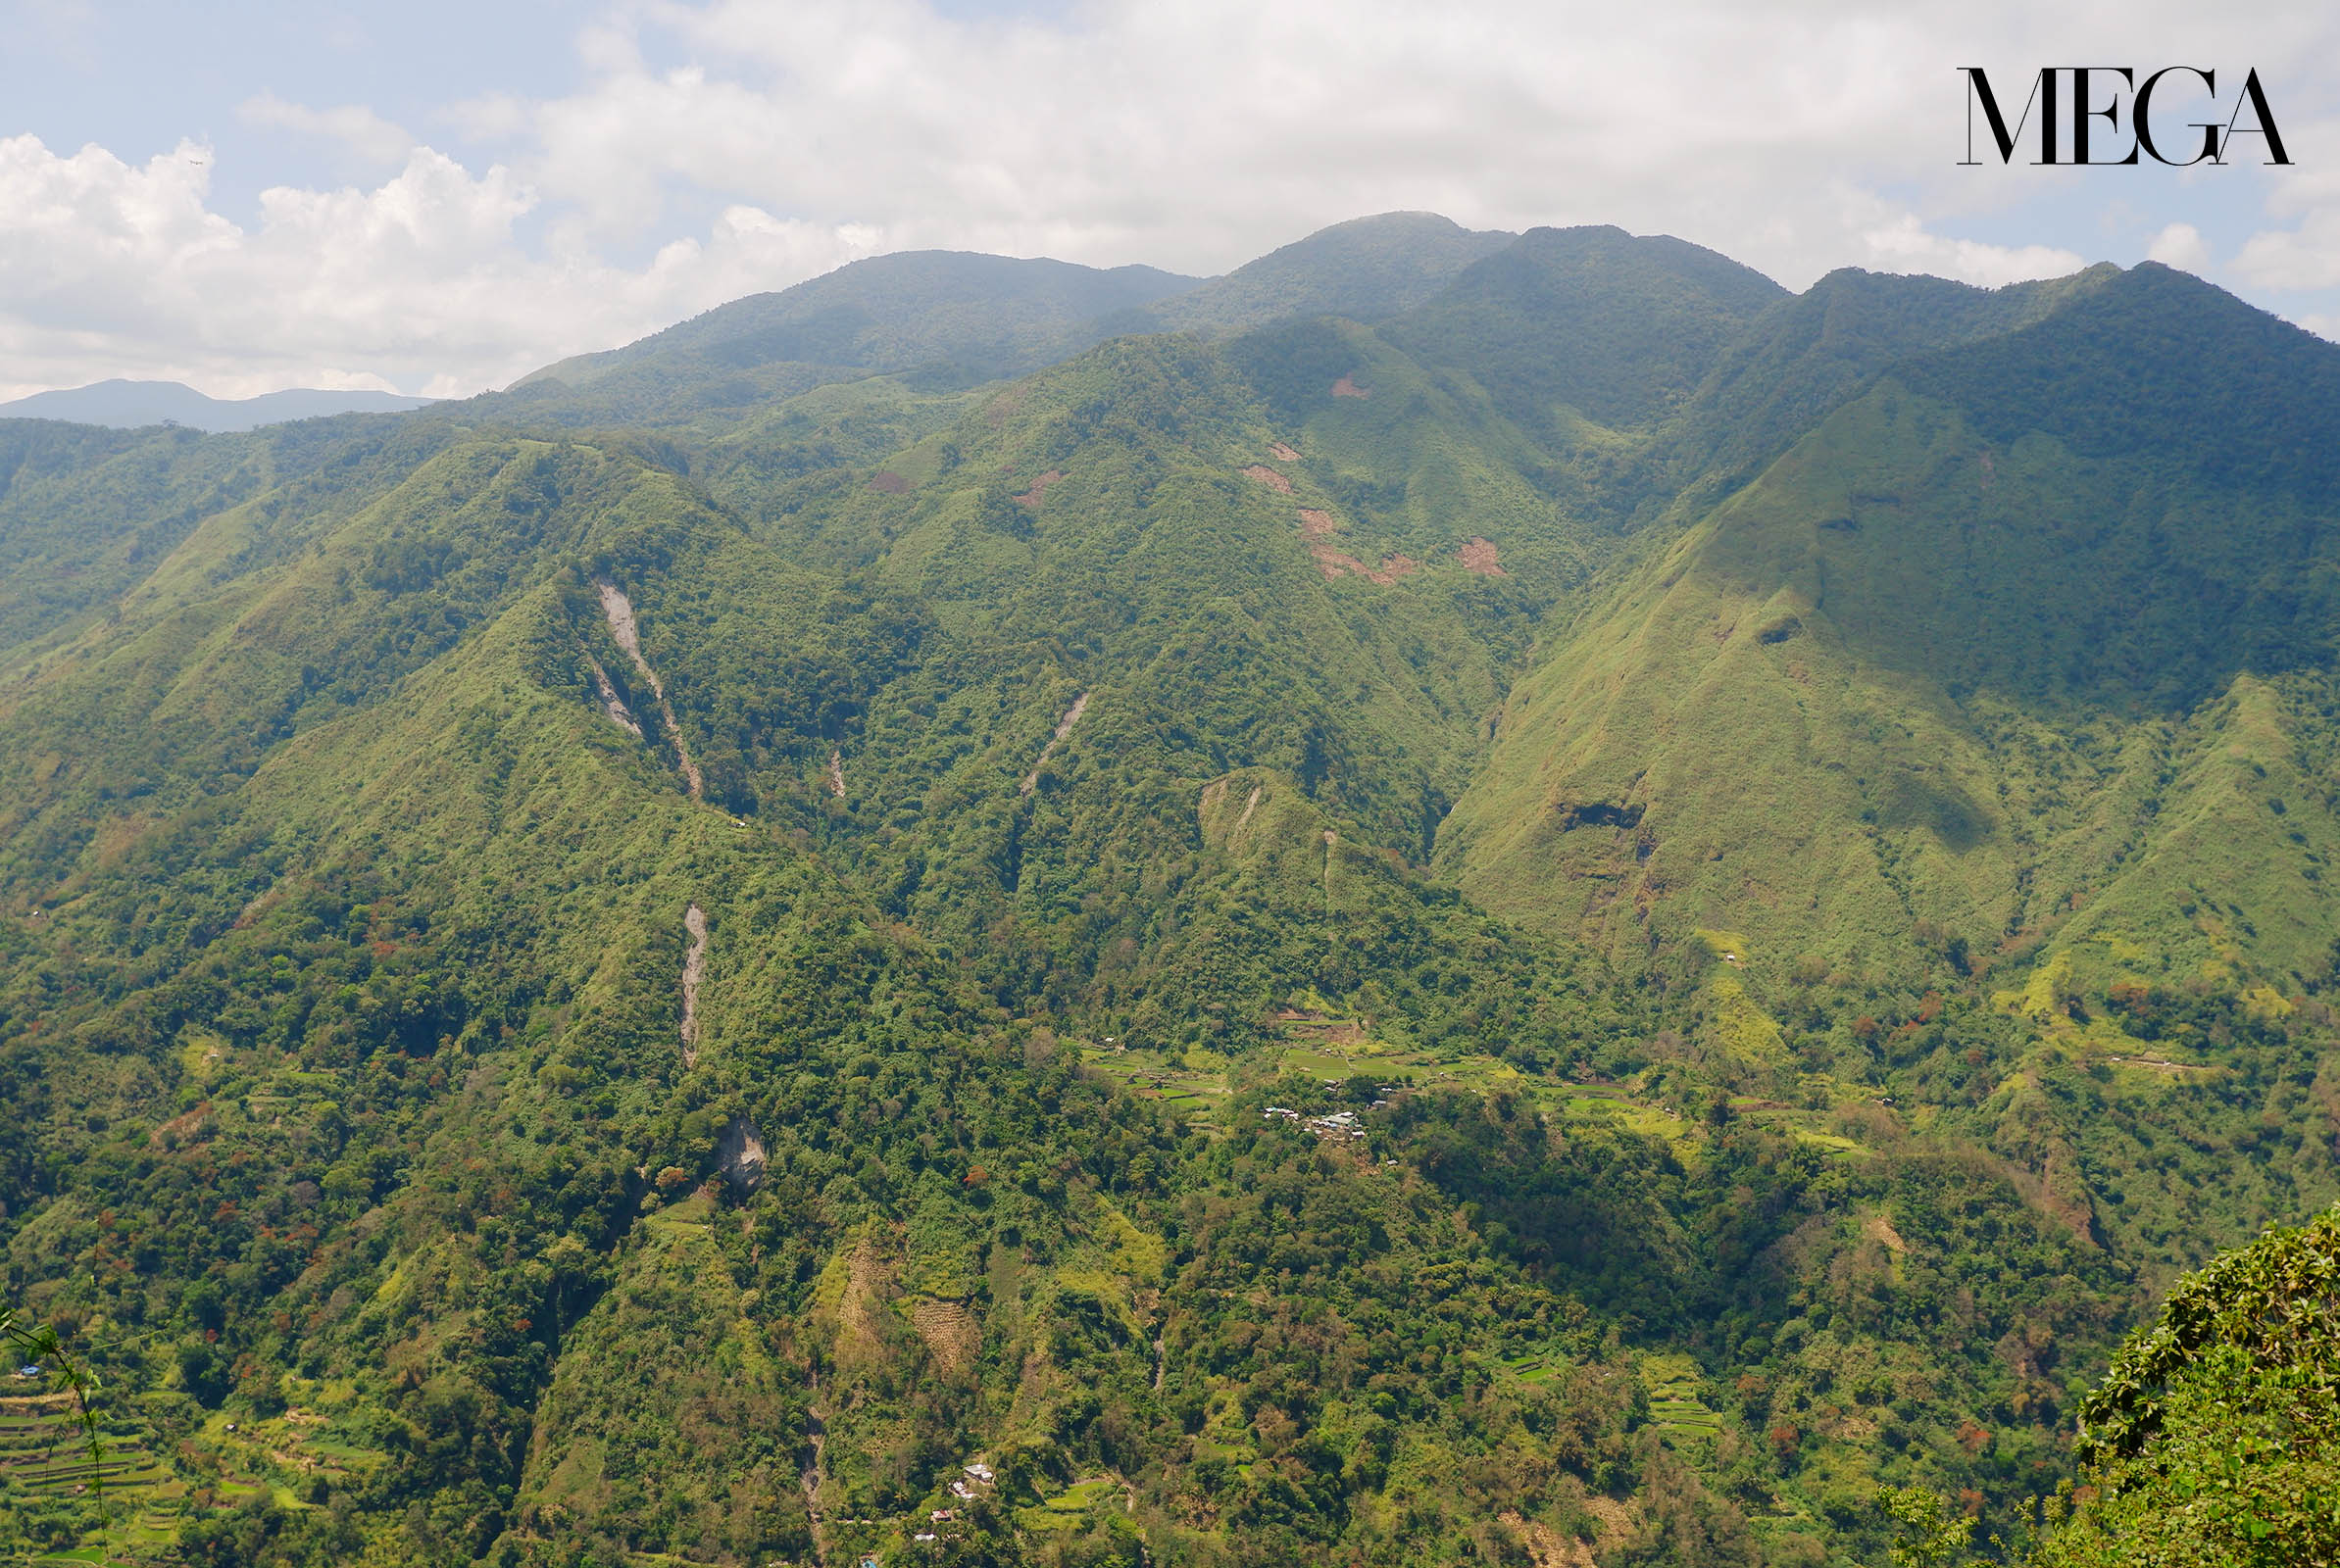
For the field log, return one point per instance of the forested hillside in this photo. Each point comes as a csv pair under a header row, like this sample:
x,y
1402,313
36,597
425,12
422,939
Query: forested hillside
x,y
1458,899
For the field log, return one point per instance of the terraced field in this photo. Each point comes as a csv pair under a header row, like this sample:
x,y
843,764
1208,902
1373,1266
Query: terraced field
x,y
46,1474
1073,1508
1334,1049
1192,1086
1678,1407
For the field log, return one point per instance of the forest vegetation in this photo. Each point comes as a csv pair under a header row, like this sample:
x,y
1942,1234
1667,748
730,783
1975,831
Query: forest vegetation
x,y
1458,899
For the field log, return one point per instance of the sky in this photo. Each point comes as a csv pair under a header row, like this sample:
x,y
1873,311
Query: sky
x,y
437,198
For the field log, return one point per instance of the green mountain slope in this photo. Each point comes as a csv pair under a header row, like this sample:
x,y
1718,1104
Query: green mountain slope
x,y
952,318
1587,324
1930,670
1807,353
950,315
411,1015
1528,903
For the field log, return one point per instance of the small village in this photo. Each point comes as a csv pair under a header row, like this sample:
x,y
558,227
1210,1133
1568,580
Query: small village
x,y
1339,1125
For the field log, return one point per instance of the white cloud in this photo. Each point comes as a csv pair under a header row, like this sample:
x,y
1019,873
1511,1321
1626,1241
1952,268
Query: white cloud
x,y
2307,257
1905,246
2306,254
2180,245
1794,137
107,268
358,129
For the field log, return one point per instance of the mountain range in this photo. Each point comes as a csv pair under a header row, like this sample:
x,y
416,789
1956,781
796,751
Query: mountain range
x,y
128,405
1458,897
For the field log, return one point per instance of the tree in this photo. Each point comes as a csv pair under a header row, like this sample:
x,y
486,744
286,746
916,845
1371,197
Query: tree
x,y
2215,1438
1927,1533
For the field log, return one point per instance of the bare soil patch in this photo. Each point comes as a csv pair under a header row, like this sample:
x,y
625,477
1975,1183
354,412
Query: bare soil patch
x,y
888,482
1031,497
1478,554
1346,388
1317,524
184,1128
1269,477
1338,564
1283,453
1546,1545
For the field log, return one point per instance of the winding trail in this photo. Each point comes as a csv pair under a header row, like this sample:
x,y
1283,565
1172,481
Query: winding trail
x,y
618,610
1031,780
811,1474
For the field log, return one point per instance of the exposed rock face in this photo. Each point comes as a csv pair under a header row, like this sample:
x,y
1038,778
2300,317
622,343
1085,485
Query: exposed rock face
x,y
612,703
694,971
740,1151
618,610
1031,780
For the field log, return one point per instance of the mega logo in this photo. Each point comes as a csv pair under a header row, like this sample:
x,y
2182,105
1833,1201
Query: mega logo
x,y
2064,98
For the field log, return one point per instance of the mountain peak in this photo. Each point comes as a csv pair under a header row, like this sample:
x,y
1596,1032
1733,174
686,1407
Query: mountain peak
x,y
1366,268
1615,325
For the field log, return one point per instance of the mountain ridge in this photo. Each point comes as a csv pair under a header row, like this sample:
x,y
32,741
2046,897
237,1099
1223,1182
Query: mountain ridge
x,y
129,405
1581,912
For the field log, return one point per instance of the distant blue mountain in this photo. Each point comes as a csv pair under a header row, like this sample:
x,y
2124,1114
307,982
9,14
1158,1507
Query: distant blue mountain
x,y
126,405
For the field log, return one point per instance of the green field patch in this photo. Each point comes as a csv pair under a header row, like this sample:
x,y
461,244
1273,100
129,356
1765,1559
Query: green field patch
x,y
1189,1084
1634,1116
1535,1366
1677,1394
1071,1508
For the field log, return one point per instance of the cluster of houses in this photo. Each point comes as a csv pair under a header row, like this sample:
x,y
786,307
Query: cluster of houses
x,y
1342,1125
962,1487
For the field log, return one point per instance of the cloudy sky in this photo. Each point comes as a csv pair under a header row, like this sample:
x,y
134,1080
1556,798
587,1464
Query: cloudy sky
x,y
438,197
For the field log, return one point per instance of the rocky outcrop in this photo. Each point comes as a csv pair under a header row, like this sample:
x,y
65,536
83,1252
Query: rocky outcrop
x,y
612,703
739,1153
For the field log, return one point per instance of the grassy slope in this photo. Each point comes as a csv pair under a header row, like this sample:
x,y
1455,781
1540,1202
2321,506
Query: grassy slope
x,y
356,981
1837,707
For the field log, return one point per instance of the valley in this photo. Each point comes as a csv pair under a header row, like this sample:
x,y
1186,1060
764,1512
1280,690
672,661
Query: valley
x,y
1460,898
